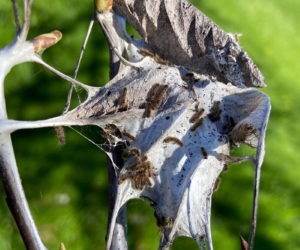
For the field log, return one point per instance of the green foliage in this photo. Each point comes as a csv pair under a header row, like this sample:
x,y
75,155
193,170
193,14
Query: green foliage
x,y
66,186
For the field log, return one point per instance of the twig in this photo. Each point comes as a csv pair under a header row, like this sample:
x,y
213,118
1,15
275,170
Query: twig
x,y
259,160
26,19
254,207
16,15
67,106
62,75
16,199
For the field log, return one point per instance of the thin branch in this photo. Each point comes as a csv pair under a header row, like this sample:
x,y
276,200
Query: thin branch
x,y
16,15
254,207
62,75
260,153
26,19
67,106
16,199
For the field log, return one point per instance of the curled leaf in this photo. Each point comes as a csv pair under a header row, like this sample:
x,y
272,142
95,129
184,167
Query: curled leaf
x,y
180,33
42,42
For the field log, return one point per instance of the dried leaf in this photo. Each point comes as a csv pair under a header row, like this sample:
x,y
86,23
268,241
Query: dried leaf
x,y
244,243
180,33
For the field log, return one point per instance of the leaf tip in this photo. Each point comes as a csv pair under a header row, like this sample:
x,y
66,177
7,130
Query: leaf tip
x,y
244,243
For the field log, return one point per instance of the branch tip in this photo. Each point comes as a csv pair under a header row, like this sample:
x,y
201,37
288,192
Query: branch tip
x,y
44,41
103,5
67,105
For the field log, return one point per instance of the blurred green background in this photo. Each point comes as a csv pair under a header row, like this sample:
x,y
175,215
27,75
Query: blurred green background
x,y
66,186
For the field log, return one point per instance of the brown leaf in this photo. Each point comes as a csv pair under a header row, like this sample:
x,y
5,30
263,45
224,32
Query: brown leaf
x,y
244,243
180,33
